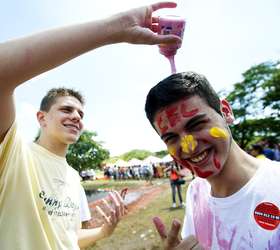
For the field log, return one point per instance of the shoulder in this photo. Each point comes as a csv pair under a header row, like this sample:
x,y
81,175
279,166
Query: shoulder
x,y
74,173
270,166
198,185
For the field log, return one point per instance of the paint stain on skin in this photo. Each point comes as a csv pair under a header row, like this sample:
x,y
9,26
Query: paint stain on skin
x,y
202,174
216,162
172,150
218,133
188,143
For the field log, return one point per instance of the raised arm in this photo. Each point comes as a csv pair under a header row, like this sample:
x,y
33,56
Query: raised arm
x,y
27,57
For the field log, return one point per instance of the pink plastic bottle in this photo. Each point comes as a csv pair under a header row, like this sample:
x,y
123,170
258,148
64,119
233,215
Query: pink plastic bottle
x,y
171,25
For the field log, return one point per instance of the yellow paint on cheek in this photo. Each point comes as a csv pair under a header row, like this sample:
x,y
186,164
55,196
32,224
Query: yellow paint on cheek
x,y
172,151
188,143
218,132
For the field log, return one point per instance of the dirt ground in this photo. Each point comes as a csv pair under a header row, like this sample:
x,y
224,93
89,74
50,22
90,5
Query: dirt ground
x,y
151,192
148,193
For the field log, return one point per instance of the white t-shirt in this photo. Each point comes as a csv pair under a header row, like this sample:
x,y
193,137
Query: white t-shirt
x,y
84,209
248,219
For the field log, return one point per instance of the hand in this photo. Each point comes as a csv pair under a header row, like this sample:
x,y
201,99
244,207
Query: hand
x,y
112,213
137,26
123,193
171,239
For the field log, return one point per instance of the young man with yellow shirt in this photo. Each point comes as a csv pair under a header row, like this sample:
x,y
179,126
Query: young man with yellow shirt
x,y
39,192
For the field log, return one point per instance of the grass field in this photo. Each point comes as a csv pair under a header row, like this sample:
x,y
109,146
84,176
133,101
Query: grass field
x,y
111,184
136,230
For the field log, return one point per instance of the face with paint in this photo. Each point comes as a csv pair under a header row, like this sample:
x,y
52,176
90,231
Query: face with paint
x,y
196,136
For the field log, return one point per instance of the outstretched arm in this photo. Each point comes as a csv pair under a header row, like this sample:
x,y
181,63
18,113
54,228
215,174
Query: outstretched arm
x,y
27,57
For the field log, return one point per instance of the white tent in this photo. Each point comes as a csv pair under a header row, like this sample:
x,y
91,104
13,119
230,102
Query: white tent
x,y
151,160
121,163
134,162
167,158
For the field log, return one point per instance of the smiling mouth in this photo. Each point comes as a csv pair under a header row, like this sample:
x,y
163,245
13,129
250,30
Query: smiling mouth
x,y
200,158
72,126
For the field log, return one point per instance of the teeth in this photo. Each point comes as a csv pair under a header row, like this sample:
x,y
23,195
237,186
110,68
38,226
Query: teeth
x,y
70,126
199,157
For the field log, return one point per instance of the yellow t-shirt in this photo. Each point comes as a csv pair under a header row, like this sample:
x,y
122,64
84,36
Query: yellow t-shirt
x,y
39,197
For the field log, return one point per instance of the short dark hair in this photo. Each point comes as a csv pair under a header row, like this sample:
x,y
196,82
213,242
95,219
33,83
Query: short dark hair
x,y
177,87
51,96
258,148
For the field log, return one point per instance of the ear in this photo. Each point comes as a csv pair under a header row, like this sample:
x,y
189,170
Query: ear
x,y
227,111
41,118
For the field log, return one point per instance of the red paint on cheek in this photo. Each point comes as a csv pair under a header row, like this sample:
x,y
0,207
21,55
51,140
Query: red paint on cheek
x,y
202,174
173,116
183,164
186,113
204,141
216,162
161,124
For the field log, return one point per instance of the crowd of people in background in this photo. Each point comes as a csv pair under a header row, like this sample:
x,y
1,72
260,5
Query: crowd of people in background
x,y
261,150
266,149
137,172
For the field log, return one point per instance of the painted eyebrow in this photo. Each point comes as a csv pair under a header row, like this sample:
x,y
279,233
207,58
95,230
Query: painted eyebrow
x,y
188,125
194,120
164,136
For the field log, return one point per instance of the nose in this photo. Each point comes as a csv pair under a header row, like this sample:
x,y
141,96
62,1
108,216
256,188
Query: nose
x,y
75,116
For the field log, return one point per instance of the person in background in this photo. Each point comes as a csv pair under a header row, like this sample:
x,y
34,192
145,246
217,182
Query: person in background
x,y
257,151
175,184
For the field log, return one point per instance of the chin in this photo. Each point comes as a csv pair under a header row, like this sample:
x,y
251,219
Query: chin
x,y
71,140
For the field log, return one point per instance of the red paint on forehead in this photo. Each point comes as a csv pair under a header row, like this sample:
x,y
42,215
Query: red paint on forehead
x,y
161,123
172,115
185,113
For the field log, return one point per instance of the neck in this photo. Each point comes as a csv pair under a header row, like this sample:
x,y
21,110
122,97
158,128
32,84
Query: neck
x,y
57,148
238,169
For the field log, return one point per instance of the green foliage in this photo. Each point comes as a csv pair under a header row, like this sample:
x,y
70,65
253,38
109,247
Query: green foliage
x,y
136,153
86,153
161,153
256,102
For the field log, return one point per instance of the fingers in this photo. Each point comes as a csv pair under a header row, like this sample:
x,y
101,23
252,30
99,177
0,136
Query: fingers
x,y
160,5
160,227
105,217
173,235
191,243
117,203
154,27
123,193
168,39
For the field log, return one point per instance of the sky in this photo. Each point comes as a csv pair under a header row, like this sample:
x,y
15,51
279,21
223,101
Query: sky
x,y
223,38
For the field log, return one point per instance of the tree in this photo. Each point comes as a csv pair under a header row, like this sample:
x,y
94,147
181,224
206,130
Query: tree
x,y
86,153
161,154
136,153
256,102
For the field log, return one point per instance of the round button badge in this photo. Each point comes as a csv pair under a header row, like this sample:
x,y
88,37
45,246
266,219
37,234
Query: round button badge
x,y
267,215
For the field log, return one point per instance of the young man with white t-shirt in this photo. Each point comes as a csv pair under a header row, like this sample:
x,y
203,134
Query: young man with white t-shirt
x,y
234,201
39,192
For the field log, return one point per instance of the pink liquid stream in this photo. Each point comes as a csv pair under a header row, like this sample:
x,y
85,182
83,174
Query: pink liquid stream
x,y
172,64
